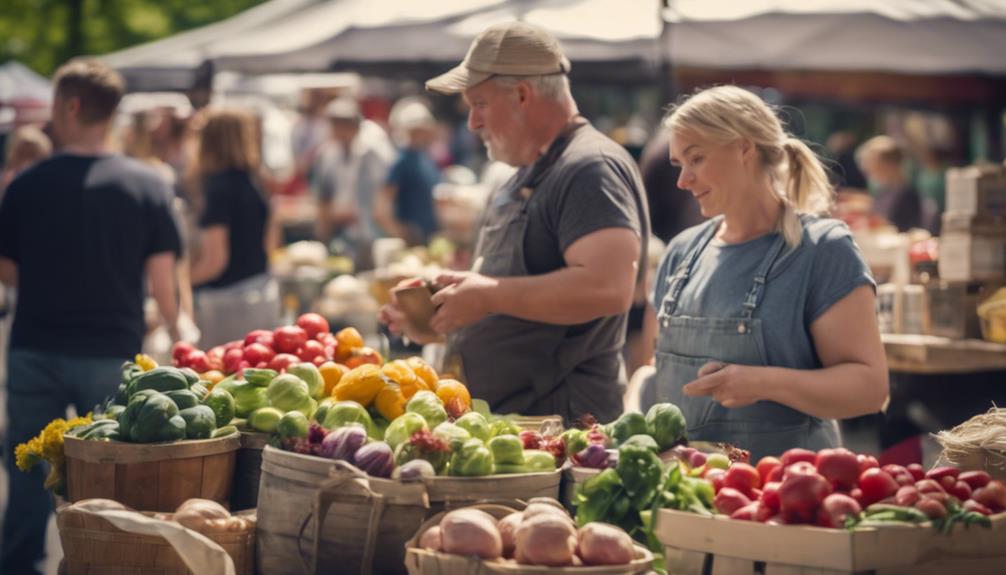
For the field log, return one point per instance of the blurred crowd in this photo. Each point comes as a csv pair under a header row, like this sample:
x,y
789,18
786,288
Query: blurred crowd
x,y
369,169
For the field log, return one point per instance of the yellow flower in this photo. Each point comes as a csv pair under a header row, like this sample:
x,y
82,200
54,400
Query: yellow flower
x,y
28,454
145,361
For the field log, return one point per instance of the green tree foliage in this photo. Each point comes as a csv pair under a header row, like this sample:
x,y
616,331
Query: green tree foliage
x,y
45,33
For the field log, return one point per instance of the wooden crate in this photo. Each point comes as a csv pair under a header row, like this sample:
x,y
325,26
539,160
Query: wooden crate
x,y
722,546
151,476
972,248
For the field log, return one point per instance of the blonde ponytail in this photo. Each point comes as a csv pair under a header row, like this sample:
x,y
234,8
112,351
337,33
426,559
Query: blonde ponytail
x,y
806,186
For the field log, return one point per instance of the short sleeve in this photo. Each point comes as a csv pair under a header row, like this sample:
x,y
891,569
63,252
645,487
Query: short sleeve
x,y
838,269
8,223
396,173
217,211
162,225
598,197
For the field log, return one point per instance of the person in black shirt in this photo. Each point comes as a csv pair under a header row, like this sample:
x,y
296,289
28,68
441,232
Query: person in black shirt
x,y
79,234
234,292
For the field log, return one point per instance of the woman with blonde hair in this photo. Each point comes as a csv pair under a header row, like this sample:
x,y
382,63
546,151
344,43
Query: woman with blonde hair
x,y
766,311
234,291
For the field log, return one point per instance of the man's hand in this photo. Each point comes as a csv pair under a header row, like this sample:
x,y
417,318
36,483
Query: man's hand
x,y
732,386
393,317
465,299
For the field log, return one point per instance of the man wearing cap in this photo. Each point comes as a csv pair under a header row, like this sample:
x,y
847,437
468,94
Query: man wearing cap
x,y
540,323
349,173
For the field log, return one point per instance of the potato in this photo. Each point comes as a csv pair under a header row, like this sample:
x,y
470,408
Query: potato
x,y
508,531
197,513
431,539
546,539
471,532
603,544
536,509
103,505
548,501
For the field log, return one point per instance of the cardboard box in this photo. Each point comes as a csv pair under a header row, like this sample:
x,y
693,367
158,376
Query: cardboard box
x,y
722,546
976,190
965,258
951,308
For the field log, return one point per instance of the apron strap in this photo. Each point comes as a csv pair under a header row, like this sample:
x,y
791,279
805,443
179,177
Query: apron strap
x,y
679,277
753,296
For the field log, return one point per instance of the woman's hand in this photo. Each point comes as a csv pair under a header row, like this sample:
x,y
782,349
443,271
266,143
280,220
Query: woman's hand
x,y
730,385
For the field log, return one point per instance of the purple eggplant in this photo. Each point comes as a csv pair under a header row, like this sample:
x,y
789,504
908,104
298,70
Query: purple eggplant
x,y
375,459
343,443
594,456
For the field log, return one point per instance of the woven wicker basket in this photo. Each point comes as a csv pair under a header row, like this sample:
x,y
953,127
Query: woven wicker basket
x,y
92,546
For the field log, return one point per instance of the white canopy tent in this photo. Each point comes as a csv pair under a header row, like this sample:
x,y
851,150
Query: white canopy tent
x,y
912,36
907,36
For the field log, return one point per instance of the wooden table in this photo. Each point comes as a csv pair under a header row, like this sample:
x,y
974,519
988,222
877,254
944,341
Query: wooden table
x,y
926,354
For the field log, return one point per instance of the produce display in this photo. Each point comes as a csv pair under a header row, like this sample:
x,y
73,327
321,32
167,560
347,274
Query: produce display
x,y
155,404
543,534
839,489
661,429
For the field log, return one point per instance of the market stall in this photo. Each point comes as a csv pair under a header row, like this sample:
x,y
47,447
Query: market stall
x,y
354,464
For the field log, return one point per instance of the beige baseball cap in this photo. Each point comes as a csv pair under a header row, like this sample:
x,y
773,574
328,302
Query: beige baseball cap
x,y
509,49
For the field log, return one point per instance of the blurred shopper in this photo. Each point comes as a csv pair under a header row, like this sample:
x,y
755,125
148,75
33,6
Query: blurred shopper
x,y
767,325
234,291
79,234
540,324
894,198
350,172
841,148
142,140
404,208
27,146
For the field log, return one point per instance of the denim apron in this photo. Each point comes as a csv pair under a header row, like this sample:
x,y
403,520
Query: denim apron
x,y
687,343
516,365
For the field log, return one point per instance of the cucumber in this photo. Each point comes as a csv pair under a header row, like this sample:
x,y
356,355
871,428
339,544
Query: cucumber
x,y
224,431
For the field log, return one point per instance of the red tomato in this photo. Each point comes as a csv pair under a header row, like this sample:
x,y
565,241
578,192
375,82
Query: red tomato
x,y
803,467
917,471
743,478
801,493
181,350
839,466
531,439
900,474
960,490
975,479
231,360
313,324
257,353
972,505
798,454
749,512
765,466
776,474
857,494
311,349
866,462
236,344
770,496
992,496
217,352
282,361
729,500
907,496
929,486
938,473
714,475
318,360
257,336
197,360
835,509
931,507
877,484
288,338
